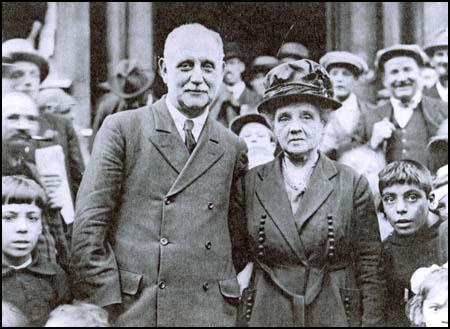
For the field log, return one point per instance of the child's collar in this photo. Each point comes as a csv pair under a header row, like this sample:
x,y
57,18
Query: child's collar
x,y
37,265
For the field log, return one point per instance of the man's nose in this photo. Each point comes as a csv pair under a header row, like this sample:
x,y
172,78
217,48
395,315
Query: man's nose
x,y
197,75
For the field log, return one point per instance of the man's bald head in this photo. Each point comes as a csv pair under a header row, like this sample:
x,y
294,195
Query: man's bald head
x,y
186,31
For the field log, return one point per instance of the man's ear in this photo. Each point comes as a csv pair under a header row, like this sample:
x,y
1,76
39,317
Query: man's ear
x,y
162,69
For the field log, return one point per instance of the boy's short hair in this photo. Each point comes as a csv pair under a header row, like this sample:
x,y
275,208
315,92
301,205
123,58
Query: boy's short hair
x,y
78,314
20,189
405,172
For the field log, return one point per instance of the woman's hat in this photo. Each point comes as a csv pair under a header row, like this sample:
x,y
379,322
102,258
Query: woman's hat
x,y
129,80
297,81
15,50
239,122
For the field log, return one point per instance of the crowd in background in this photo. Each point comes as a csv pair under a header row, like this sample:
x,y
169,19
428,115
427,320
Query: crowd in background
x,y
43,164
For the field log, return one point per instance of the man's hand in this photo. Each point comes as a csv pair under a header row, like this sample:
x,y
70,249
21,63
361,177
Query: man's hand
x,y
51,184
381,130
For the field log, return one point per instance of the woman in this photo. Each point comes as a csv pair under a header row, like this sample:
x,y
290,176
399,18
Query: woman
x,y
313,231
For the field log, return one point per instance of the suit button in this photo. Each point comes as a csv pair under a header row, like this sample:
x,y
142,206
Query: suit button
x,y
162,285
260,254
167,201
261,239
262,234
262,222
164,241
208,245
261,247
210,205
205,286
249,299
248,317
249,304
263,216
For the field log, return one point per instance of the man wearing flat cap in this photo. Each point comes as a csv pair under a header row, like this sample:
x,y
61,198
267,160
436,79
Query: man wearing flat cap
x,y
234,97
313,230
403,127
437,50
260,66
292,51
344,68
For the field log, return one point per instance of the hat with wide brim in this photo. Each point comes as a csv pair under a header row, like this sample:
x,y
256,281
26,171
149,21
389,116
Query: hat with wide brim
x,y
239,122
299,81
413,51
16,50
336,58
129,80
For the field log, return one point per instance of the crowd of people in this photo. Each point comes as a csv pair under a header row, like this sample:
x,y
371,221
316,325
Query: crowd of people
x,y
269,194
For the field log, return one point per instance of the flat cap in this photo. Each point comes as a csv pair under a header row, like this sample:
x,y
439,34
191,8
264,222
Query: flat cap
x,y
439,40
239,122
344,57
263,64
303,80
232,50
413,51
293,49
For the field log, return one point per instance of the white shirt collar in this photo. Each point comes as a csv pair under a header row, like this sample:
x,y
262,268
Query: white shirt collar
x,y
442,91
404,112
179,119
237,89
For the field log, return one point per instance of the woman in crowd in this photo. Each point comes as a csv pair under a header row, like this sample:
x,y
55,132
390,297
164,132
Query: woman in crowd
x,y
313,230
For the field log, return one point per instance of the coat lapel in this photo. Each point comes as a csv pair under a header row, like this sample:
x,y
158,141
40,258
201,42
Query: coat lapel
x,y
271,192
207,152
317,192
166,138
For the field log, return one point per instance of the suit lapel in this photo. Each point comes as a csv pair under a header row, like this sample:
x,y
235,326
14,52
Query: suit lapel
x,y
317,192
166,139
207,152
272,194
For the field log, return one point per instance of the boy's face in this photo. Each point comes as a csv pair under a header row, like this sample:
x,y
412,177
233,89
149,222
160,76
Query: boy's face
x,y
435,308
21,227
256,135
406,207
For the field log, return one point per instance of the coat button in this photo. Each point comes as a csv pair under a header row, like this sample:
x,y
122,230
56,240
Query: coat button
x,y
164,241
261,247
167,201
262,222
248,317
261,239
262,234
205,286
260,254
263,216
208,245
162,285
210,205
249,298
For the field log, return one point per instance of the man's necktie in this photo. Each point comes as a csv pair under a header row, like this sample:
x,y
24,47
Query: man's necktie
x,y
189,139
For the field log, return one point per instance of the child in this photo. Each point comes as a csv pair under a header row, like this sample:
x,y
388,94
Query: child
x,y
30,282
78,315
404,187
429,306
255,130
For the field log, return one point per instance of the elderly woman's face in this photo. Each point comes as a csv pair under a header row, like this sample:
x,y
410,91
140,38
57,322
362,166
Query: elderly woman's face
x,y
298,128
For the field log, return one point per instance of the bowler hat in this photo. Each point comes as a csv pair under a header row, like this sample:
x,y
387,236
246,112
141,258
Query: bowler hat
x,y
440,40
239,122
297,81
293,49
331,58
129,80
413,51
22,50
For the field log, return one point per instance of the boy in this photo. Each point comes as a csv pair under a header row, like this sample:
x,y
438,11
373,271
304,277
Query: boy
x,y
31,283
404,187
256,131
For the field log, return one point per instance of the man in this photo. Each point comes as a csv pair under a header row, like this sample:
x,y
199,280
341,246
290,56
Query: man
x,y
292,51
402,127
29,69
437,50
20,124
345,69
157,228
233,97
260,66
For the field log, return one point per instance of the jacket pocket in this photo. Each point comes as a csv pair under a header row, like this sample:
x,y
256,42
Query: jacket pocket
x,y
351,299
130,282
229,288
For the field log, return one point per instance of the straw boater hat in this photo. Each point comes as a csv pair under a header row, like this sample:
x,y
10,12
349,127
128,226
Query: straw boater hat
x,y
439,41
413,51
15,50
297,81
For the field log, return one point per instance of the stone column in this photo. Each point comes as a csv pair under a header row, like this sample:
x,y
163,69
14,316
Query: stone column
x,y
435,17
392,20
140,33
72,53
116,33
